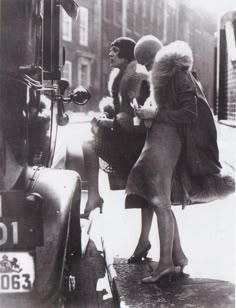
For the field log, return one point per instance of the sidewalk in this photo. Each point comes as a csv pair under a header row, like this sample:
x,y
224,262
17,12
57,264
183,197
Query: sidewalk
x,y
226,137
208,238
179,292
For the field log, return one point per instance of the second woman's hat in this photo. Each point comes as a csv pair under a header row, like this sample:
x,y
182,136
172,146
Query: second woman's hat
x,y
126,46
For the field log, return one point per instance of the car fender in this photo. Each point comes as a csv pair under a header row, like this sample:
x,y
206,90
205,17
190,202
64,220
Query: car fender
x,y
60,190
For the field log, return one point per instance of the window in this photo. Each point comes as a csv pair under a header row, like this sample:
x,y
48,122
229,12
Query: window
x,y
136,16
67,72
107,10
145,8
139,21
84,72
172,4
146,16
230,39
66,27
83,13
117,12
130,13
151,7
186,31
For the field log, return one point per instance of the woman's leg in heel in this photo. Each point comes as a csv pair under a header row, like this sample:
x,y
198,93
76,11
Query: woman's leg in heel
x,y
166,230
166,236
91,162
146,222
178,255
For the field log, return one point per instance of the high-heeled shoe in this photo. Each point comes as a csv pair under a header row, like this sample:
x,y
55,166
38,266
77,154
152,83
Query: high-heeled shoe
x,y
154,279
137,258
99,205
180,265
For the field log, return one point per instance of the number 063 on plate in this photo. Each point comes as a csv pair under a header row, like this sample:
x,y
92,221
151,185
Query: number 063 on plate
x,y
17,273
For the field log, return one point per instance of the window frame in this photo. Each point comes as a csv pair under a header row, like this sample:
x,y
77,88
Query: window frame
x,y
84,61
83,26
68,73
66,26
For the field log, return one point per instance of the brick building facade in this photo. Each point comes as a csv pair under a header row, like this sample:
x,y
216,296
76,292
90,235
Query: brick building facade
x,y
81,39
168,20
198,28
87,62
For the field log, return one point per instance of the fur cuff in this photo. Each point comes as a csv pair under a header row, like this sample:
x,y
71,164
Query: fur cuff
x,y
106,105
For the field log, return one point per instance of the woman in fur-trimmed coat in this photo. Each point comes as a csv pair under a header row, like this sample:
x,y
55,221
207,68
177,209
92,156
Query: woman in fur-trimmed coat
x,y
179,162
120,147
117,141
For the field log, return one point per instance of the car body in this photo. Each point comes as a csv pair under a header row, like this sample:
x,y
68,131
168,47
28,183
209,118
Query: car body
x,y
39,204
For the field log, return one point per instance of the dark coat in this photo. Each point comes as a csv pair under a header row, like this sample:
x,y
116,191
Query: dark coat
x,y
120,147
182,106
193,118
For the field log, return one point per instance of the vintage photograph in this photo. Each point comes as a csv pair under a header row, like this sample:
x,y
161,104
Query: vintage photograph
x,y
117,153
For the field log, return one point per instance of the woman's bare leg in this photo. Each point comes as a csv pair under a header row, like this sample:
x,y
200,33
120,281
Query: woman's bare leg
x,y
165,161
146,223
166,228
91,162
178,255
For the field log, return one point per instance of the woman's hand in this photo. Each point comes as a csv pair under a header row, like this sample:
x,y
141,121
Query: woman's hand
x,y
146,112
103,121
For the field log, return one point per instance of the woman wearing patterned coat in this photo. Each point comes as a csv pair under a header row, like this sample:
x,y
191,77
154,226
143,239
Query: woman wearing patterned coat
x,y
117,141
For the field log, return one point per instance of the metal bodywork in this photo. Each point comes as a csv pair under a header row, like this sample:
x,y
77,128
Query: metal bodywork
x,y
42,201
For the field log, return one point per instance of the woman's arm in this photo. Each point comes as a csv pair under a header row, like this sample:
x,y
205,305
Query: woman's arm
x,y
187,111
103,121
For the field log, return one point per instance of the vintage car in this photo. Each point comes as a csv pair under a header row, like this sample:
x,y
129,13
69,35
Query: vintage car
x,y
39,205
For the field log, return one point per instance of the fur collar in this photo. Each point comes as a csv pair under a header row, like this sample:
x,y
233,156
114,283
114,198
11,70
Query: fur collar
x,y
174,57
128,81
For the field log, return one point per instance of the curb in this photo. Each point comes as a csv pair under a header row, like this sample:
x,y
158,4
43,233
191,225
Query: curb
x,y
112,275
119,296
227,123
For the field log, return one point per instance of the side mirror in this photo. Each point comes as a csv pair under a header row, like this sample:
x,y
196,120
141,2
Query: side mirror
x,y
80,96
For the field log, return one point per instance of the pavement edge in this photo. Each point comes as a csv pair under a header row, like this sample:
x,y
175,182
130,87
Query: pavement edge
x,y
112,275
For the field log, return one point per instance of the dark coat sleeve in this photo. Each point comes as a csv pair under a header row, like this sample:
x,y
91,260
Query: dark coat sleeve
x,y
186,110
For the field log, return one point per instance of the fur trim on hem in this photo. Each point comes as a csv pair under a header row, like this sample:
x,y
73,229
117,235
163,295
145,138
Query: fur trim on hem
x,y
211,188
203,189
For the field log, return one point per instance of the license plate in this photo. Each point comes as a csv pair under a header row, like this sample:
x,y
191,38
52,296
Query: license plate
x,y
17,273
21,224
